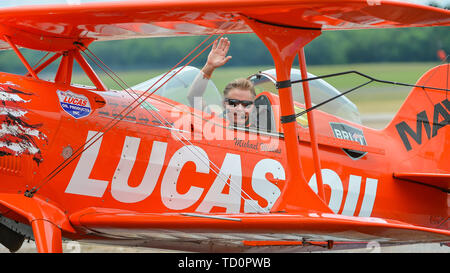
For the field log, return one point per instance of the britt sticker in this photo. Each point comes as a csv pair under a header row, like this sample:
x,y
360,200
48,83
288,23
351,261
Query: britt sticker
x,y
345,131
76,105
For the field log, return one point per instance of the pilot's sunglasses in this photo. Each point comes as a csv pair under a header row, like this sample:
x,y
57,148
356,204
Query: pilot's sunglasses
x,y
235,102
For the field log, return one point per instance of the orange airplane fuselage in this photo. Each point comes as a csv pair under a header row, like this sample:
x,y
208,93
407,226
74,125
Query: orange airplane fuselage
x,y
166,157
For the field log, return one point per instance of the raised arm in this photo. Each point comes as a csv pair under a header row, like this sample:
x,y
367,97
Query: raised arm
x,y
216,58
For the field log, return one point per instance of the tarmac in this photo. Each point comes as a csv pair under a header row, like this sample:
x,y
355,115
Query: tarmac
x,y
82,247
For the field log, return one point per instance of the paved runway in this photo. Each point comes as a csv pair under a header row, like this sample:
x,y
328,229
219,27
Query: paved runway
x,y
75,247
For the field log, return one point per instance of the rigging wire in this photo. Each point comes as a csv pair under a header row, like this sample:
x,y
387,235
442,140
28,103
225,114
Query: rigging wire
x,y
188,144
371,79
448,75
111,124
39,62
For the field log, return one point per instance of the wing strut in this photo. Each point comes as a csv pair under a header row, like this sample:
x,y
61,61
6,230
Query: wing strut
x,y
89,71
311,123
41,67
47,220
284,44
21,57
64,73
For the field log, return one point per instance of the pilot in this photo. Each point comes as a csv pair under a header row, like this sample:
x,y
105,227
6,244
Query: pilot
x,y
239,95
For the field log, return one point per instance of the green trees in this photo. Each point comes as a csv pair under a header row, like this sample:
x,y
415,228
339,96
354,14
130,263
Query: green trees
x,y
332,47
381,45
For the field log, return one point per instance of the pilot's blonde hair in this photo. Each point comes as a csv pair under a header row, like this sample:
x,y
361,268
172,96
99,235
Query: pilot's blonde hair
x,y
242,84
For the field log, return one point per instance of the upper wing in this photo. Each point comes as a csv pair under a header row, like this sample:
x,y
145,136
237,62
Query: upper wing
x,y
229,232
45,25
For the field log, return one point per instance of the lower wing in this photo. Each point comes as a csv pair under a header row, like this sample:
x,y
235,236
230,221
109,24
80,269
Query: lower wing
x,y
240,232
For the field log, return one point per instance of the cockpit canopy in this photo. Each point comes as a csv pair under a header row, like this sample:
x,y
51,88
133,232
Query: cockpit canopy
x,y
180,82
178,87
320,91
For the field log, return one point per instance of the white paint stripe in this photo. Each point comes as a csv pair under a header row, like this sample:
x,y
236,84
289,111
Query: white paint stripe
x,y
13,112
354,186
354,218
20,148
16,130
369,197
5,96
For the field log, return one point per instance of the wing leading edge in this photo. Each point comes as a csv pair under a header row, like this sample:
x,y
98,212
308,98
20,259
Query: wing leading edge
x,y
55,26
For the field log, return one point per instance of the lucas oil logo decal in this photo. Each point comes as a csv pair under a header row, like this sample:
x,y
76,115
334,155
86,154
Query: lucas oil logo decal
x,y
76,105
347,132
168,183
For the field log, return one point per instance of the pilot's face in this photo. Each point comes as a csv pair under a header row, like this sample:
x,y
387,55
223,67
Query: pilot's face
x,y
239,105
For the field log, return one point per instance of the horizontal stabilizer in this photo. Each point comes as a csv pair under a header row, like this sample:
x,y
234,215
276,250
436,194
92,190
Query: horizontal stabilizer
x,y
435,180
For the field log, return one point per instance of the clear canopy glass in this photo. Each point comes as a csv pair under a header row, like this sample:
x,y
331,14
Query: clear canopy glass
x,y
320,91
179,83
182,80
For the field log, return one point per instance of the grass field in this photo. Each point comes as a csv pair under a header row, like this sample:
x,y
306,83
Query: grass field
x,y
381,98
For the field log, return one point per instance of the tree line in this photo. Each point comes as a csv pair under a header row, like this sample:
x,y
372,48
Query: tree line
x,y
332,47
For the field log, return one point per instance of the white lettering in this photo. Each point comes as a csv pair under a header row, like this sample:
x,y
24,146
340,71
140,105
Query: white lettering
x,y
230,170
170,197
345,135
264,187
217,195
194,263
369,197
374,2
120,189
354,186
334,181
337,133
80,183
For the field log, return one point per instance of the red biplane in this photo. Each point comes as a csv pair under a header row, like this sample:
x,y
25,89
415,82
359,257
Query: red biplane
x,y
140,167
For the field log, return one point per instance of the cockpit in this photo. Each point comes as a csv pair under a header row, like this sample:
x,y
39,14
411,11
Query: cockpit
x,y
266,111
